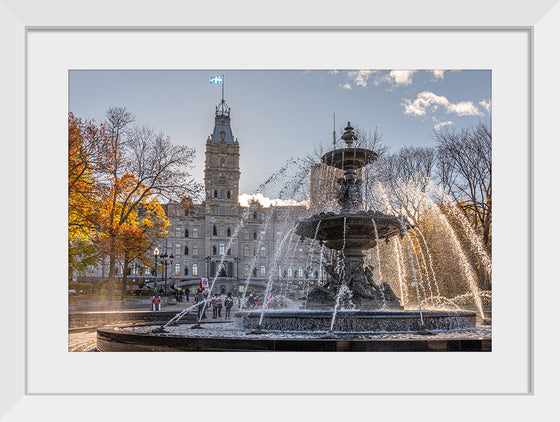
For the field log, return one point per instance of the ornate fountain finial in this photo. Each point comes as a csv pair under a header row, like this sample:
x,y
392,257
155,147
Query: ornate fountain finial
x,y
349,137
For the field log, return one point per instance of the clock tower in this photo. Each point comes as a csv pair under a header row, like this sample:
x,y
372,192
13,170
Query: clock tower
x,y
221,183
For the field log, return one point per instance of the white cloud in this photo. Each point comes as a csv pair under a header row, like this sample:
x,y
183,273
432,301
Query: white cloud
x,y
439,125
360,77
464,108
486,104
345,86
245,199
401,77
437,74
428,101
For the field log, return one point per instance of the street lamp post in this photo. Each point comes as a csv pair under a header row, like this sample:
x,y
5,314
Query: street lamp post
x,y
156,254
237,259
166,260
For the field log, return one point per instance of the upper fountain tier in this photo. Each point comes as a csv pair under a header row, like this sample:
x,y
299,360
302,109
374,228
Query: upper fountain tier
x,y
353,227
349,158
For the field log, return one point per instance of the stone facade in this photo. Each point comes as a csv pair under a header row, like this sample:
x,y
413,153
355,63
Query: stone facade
x,y
219,236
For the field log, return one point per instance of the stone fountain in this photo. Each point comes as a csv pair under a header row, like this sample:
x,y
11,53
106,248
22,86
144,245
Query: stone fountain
x,y
350,232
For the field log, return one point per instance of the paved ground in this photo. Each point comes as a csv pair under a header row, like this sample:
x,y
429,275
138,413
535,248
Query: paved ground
x,y
82,341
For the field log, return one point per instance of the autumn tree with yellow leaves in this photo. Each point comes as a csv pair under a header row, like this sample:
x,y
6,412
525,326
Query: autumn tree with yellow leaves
x,y
130,170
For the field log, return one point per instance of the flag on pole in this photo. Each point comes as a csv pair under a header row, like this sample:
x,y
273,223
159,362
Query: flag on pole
x,y
216,79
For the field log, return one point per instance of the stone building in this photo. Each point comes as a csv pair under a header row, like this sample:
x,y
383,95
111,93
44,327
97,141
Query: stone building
x,y
222,238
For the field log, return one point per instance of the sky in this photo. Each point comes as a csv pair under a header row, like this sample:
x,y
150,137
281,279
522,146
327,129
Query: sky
x,y
278,115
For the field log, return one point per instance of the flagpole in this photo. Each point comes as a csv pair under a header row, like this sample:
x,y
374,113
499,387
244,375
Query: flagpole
x,y
223,83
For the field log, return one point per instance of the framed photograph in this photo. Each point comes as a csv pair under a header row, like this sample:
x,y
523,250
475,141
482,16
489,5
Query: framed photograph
x,y
43,45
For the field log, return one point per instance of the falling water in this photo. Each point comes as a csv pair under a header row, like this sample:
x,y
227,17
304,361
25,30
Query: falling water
x,y
271,277
310,259
414,276
430,261
342,288
253,263
402,284
377,249
465,265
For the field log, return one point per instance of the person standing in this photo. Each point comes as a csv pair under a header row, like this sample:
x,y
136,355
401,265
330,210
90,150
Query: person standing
x,y
219,305
228,305
215,307
199,298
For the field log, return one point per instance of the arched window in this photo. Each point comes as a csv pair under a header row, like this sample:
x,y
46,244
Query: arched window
x,y
215,193
255,215
229,194
222,248
247,270
246,251
186,270
263,270
255,236
215,231
262,216
195,250
228,231
214,250
186,250
229,251
254,272
194,269
222,162
222,193
263,251
186,233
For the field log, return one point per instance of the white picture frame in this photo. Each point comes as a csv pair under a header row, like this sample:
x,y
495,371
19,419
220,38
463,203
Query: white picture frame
x,y
539,20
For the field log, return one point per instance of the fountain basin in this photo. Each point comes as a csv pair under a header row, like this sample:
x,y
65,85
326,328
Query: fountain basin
x,y
356,321
360,231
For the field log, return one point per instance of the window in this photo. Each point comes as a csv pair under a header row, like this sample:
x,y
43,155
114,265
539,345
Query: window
x,y
222,180
228,232
254,272
229,194
222,231
300,272
262,216
246,234
279,272
177,249
278,235
222,249
255,235
263,270
195,250
222,193
263,251
246,216
247,270
177,269
222,210
290,274
215,193
177,231
263,233
222,162
246,251
195,232
177,212
229,251
194,269
255,215
215,230
195,213
186,270
214,250
186,233
186,250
